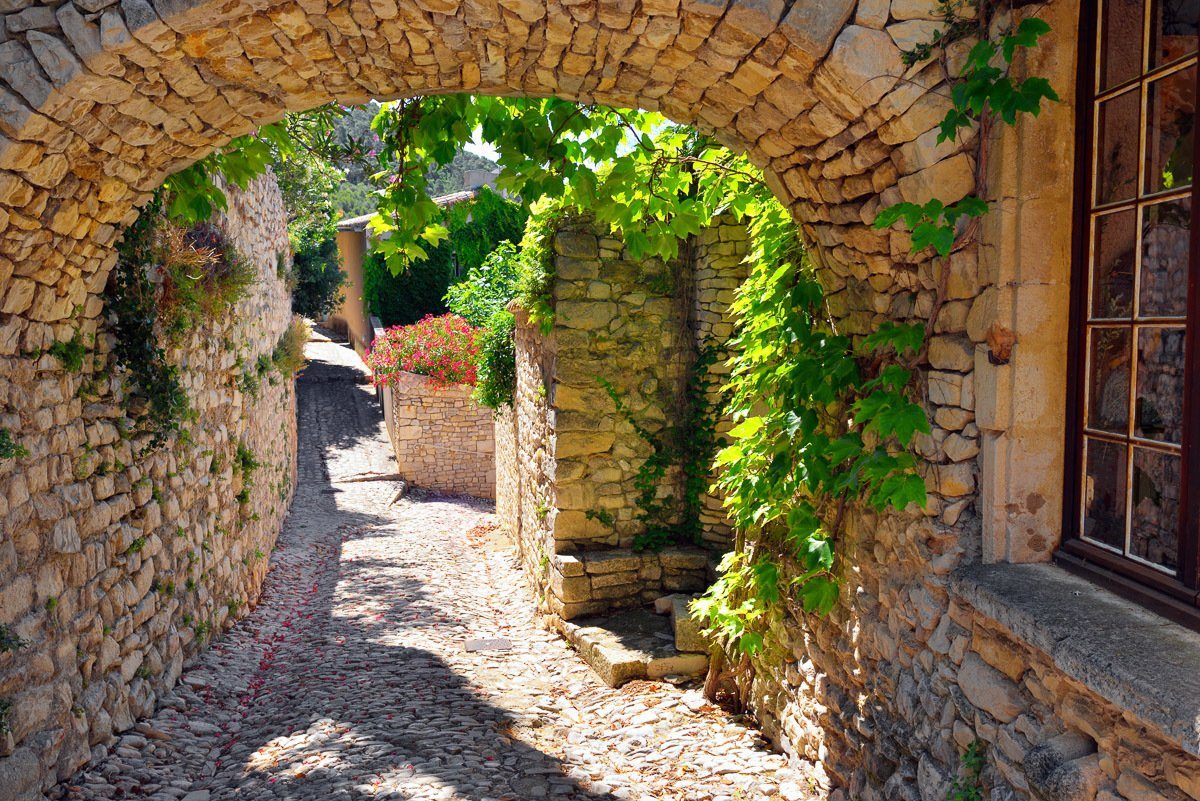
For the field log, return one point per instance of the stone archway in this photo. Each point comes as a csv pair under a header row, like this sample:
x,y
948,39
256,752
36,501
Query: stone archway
x,y
101,99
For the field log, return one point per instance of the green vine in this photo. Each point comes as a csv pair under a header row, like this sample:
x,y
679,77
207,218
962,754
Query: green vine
x,y
823,420
689,444
535,272
130,300
496,380
956,28
982,90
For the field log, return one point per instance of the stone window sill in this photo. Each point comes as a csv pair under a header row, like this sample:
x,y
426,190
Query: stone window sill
x,y
1142,663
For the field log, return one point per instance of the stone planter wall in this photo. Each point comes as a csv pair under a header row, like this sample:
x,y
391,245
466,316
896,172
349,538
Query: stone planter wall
x,y
443,439
117,565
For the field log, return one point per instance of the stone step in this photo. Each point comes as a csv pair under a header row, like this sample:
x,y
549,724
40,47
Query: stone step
x,y
631,645
689,637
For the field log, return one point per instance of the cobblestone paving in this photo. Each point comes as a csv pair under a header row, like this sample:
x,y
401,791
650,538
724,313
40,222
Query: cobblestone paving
x,y
350,679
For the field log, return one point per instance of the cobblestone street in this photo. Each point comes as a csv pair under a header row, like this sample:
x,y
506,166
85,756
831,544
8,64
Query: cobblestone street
x,y
350,679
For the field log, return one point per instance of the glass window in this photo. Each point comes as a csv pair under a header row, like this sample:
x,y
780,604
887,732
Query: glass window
x,y
1138,261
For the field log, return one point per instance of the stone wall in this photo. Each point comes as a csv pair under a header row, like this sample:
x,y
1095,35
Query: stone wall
x,y
718,268
117,564
442,438
574,458
100,100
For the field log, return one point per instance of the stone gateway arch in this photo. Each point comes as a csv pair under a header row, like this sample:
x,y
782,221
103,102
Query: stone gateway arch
x,y
931,648
101,101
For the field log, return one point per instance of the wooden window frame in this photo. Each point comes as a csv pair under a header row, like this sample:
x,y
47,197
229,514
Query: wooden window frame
x,y
1177,596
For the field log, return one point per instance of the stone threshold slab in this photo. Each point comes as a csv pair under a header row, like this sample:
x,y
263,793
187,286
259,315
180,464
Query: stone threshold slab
x,y
631,645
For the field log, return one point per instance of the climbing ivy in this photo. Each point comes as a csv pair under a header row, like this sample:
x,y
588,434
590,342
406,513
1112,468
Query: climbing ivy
x,y
822,420
983,90
130,300
496,371
690,444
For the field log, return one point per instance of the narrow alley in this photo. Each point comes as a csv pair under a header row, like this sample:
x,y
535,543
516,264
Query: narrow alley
x,y
351,679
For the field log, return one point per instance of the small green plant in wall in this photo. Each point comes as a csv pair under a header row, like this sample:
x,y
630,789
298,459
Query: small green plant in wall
x,y
601,516
9,640
70,353
9,448
968,785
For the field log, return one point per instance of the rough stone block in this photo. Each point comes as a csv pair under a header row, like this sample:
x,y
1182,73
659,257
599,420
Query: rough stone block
x,y
989,690
689,636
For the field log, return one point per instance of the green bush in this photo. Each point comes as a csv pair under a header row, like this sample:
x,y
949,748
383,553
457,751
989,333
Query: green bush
x,y
411,296
496,374
488,288
316,270
475,228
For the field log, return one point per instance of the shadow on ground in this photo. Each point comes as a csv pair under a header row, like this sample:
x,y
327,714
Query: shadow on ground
x,y
340,708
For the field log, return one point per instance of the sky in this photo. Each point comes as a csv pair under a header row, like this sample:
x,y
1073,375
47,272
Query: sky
x,y
481,148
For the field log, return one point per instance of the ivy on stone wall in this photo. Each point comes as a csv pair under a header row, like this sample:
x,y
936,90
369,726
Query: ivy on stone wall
x,y
157,395
982,90
823,421
496,373
688,444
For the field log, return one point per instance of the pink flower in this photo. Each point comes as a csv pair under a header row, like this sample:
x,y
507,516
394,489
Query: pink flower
x,y
443,348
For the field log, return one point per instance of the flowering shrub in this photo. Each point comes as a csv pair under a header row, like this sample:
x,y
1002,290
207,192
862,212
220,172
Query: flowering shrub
x,y
444,348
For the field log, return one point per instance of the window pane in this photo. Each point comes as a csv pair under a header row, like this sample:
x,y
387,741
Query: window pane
x,y
1155,507
1160,384
1166,247
1112,267
1117,155
1120,42
1104,493
1171,109
1108,380
1173,30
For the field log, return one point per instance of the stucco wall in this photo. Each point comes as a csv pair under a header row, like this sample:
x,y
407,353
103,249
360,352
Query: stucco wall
x,y
442,438
115,564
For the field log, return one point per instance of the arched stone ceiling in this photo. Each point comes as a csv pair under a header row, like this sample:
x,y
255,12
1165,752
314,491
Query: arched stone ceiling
x,y
102,99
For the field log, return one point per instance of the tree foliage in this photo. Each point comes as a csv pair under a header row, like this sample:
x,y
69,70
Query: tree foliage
x,y
475,228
